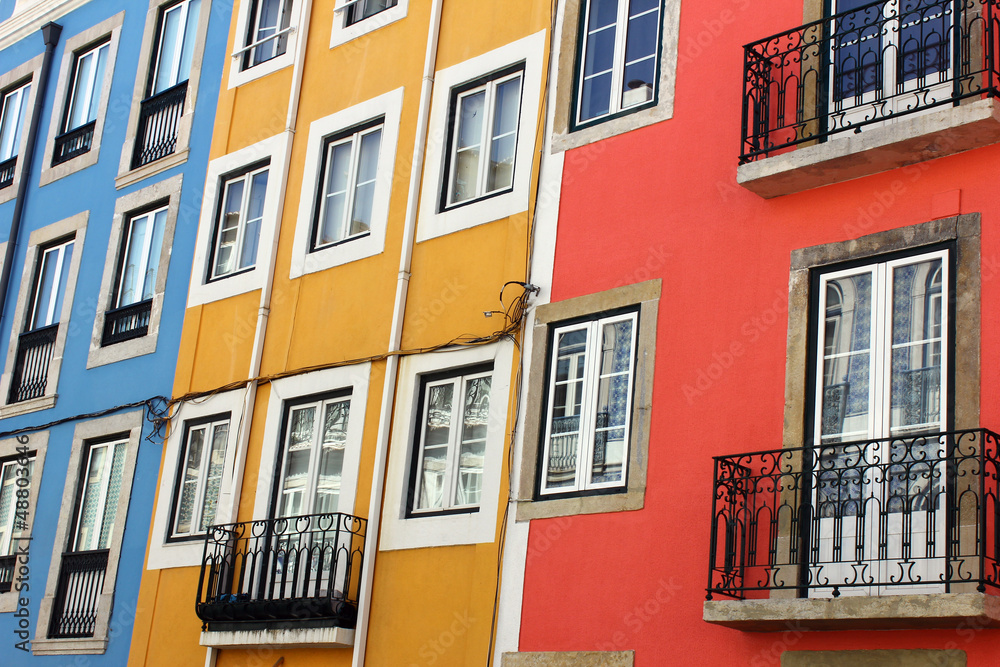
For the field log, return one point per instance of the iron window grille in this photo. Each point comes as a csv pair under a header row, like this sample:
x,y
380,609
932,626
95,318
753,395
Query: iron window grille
x,y
78,594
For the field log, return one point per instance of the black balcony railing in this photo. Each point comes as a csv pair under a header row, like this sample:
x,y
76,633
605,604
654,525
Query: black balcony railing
x,y
75,142
7,564
156,136
78,594
907,514
127,322
7,172
281,570
31,366
864,66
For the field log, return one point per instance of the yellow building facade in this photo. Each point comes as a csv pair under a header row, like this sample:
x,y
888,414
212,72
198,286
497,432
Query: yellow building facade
x,y
349,368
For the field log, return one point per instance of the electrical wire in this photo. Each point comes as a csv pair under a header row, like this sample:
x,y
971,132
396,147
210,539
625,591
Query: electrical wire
x,y
156,408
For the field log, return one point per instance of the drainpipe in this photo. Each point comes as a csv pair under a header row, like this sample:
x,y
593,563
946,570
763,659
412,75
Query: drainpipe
x,y
395,337
264,308
50,36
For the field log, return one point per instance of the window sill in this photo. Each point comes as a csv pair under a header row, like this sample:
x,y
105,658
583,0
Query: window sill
x,y
544,508
891,612
69,646
135,175
569,659
279,638
907,141
31,405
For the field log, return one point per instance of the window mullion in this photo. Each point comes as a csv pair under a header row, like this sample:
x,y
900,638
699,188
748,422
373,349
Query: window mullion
x,y
485,138
241,223
56,280
881,351
618,64
454,442
588,405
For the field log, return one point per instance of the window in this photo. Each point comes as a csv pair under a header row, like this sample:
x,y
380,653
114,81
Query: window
x,y
315,439
200,476
12,118
455,413
12,528
240,214
267,37
174,46
82,105
347,196
483,138
98,502
618,56
358,10
589,404
21,462
354,18
50,285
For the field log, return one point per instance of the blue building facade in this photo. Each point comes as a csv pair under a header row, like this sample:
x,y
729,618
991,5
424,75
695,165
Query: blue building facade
x,y
106,113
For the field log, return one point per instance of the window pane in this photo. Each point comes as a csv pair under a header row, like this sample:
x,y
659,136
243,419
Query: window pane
x,y
469,138
153,258
473,449
364,194
88,526
596,97
81,87
187,47
14,110
7,480
331,461
564,439
614,389
46,288
229,228
602,13
273,16
131,278
437,431
111,502
335,196
296,480
258,188
504,143
847,360
213,482
189,480
169,43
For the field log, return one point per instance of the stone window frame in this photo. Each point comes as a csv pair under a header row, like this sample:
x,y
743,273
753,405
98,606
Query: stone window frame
x,y
341,33
75,226
111,28
126,425
38,443
167,190
20,75
239,76
568,659
401,530
532,505
567,31
127,175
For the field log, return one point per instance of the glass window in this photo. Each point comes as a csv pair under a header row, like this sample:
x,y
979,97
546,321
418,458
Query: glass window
x,y
174,45
85,91
589,405
50,285
98,499
10,527
200,476
313,457
359,10
12,118
455,414
141,257
484,139
267,37
618,56
350,168
238,228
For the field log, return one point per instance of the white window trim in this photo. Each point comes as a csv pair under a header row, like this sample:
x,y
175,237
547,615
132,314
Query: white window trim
x,y
28,70
342,33
355,379
167,189
433,223
246,181
112,26
37,443
239,76
198,516
400,532
129,423
201,291
566,46
126,175
73,226
390,107
164,554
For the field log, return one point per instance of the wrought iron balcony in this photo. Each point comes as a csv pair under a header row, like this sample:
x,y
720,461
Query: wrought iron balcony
x,y
7,565
909,514
282,570
78,592
31,366
866,66
156,136
7,168
127,322
76,142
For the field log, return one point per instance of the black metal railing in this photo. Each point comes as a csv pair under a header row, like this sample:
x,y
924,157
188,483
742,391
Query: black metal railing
x,y
7,564
31,366
297,568
75,142
899,514
864,66
127,322
156,136
7,168
78,594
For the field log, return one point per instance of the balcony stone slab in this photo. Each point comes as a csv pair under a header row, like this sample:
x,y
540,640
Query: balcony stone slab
x,y
279,637
890,612
877,148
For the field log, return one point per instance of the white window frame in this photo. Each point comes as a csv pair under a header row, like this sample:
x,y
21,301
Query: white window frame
x,y
51,316
91,87
403,529
111,446
164,552
198,514
486,138
37,444
566,46
453,468
238,75
353,140
389,108
242,223
433,221
20,75
145,255
342,33
109,30
148,53
74,226
588,404
201,289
